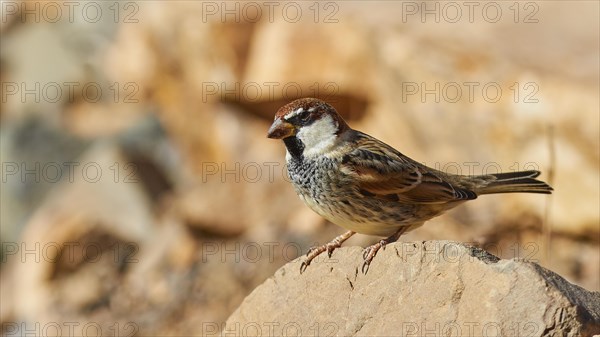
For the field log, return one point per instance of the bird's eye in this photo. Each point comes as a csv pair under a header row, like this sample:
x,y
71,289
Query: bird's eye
x,y
305,117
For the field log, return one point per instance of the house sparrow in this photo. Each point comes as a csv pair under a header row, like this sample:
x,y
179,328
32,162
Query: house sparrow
x,y
366,186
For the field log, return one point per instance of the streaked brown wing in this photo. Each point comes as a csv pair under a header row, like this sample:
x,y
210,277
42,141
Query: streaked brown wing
x,y
385,173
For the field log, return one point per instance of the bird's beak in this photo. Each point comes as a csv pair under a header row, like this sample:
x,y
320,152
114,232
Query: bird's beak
x,y
281,129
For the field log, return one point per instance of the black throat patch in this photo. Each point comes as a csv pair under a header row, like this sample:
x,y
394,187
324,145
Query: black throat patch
x,y
294,147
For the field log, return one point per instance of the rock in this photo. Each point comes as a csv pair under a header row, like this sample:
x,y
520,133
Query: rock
x,y
84,235
35,157
413,289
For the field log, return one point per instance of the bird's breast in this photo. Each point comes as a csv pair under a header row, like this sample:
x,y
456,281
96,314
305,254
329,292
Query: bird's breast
x,y
312,178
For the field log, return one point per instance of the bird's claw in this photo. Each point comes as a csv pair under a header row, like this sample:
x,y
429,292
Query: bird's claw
x,y
365,267
331,247
312,253
370,252
368,257
303,266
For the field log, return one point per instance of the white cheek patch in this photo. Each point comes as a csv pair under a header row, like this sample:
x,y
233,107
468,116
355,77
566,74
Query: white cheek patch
x,y
318,137
293,114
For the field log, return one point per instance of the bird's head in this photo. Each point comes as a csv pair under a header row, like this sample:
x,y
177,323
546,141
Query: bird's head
x,y
308,126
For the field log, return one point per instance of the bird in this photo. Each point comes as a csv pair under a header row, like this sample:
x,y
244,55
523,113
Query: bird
x,y
366,186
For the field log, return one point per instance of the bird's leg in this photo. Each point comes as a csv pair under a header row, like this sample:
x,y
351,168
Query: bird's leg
x,y
371,251
329,247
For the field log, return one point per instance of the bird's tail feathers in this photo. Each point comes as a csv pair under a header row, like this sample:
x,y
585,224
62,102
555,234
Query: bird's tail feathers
x,y
522,181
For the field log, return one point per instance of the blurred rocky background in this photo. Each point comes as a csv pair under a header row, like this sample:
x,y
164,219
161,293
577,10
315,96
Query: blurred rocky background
x,y
140,196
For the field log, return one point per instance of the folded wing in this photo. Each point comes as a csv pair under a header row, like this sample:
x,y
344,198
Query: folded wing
x,y
383,172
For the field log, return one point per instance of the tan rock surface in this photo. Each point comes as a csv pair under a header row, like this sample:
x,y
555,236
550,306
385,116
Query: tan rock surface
x,y
411,289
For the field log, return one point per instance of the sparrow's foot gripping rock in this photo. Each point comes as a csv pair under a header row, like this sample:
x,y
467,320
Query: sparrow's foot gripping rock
x,y
370,252
329,247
